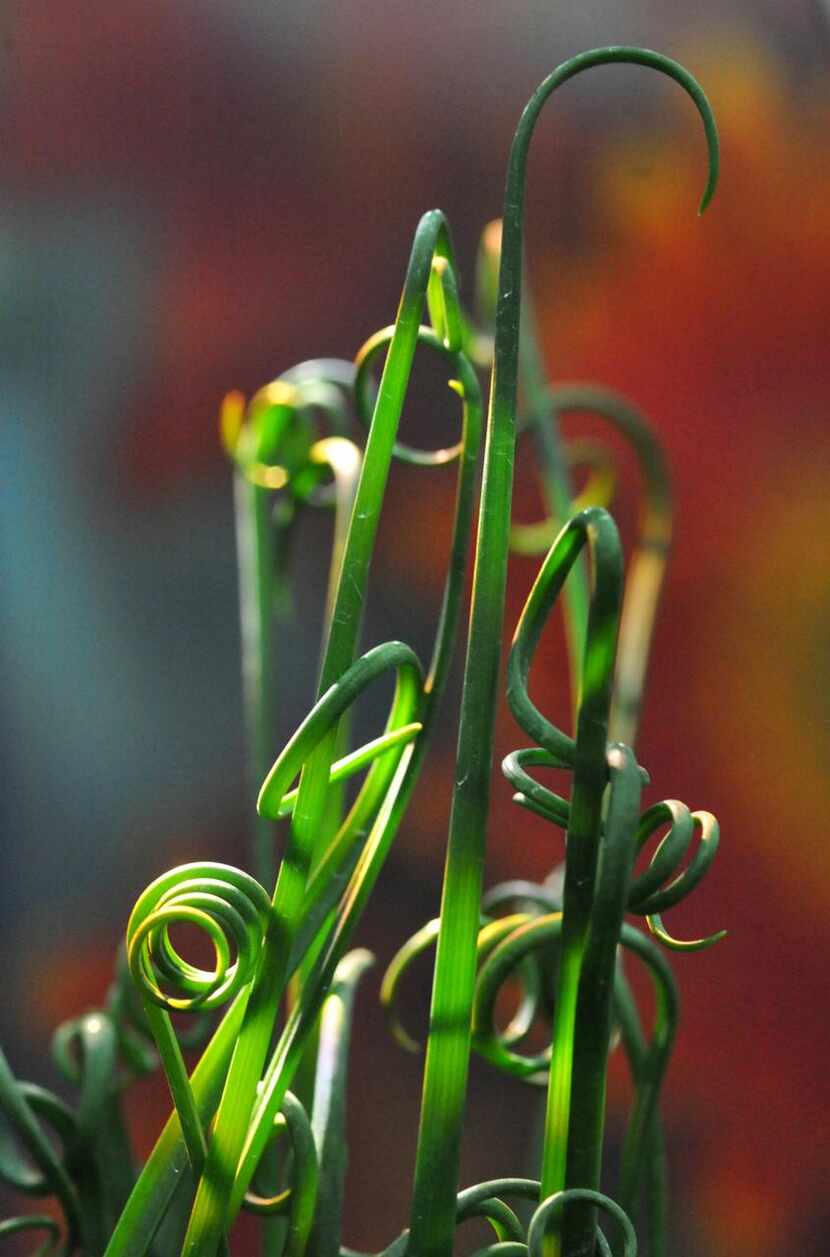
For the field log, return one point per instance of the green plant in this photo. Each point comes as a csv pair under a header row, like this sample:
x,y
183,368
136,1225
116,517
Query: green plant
x,y
268,1091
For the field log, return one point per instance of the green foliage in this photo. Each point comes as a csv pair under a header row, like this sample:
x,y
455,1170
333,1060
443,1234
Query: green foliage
x,y
267,1096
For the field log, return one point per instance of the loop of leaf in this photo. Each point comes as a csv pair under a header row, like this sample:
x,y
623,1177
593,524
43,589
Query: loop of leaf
x,y
365,386
653,892
299,1200
227,904
553,1206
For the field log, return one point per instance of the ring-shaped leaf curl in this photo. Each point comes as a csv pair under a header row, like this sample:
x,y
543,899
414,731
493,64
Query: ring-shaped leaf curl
x,y
533,934
530,934
424,940
691,876
232,910
531,794
467,1200
406,702
649,896
352,763
549,1209
277,421
669,852
466,385
501,1217
655,924
431,276
300,1199
420,942
593,527
484,1200
533,977
223,902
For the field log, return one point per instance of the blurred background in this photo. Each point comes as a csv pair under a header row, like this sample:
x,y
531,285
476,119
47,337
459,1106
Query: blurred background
x,y
197,196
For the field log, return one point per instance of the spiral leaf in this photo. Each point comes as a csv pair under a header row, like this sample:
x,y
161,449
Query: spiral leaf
x,y
228,905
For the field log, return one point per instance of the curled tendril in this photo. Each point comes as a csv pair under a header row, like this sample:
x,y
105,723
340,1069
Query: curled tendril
x,y
43,1171
31,1177
649,894
383,753
523,936
278,422
365,388
484,1201
491,934
227,904
232,910
531,794
550,1208
299,1200
416,946
35,1222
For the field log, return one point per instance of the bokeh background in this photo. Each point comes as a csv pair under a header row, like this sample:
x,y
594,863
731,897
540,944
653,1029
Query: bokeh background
x,y
197,196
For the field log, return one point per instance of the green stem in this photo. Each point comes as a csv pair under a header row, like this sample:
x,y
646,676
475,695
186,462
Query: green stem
x,y
445,1077
592,1025
256,551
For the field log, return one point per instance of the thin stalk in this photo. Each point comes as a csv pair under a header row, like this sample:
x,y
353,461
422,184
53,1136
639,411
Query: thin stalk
x,y
593,1022
256,553
541,417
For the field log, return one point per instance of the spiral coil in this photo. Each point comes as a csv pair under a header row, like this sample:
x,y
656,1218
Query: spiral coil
x,y
227,905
